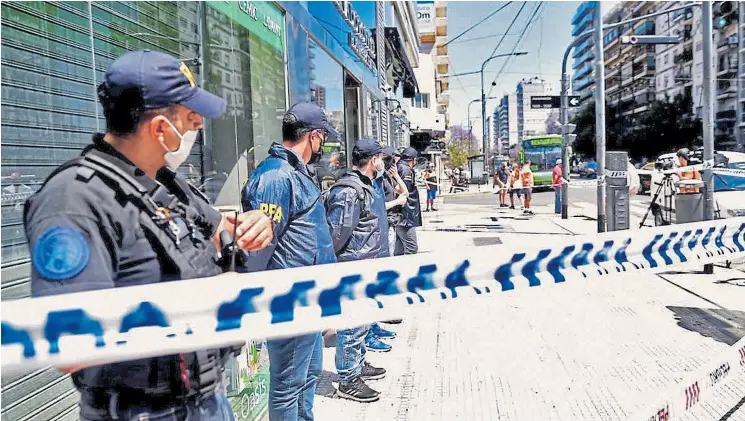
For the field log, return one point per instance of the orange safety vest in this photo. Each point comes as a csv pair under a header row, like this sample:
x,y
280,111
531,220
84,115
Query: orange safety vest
x,y
689,175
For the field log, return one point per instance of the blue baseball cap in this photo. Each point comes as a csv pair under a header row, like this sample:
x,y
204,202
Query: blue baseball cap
x,y
367,146
312,116
409,153
162,80
388,150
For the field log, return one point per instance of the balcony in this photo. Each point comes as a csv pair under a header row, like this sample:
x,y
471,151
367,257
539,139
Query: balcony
x,y
584,8
684,57
583,25
646,28
627,95
441,21
442,50
727,43
726,93
727,69
728,115
441,59
441,31
442,69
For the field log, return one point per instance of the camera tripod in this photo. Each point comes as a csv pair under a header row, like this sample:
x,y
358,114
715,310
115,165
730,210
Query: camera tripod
x,y
668,187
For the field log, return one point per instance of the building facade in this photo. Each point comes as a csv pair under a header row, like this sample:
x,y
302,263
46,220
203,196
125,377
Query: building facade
x,y
428,115
261,57
583,80
507,121
531,122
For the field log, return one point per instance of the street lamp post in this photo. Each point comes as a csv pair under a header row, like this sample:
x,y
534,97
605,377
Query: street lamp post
x,y
484,140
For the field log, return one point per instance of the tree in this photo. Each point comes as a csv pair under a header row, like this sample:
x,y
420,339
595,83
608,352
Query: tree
x,y
552,123
458,155
664,127
464,137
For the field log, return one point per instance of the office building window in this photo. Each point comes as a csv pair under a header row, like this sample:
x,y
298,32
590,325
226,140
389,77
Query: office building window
x,y
420,101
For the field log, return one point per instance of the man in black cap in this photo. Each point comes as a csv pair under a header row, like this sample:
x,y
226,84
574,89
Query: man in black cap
x,y
283,187
121,215
359,229
406,242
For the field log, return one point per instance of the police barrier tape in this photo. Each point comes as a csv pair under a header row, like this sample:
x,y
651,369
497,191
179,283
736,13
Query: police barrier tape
x,y
167,318
685,396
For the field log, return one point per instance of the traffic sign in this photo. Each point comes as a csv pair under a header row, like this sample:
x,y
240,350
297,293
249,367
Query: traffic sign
x,y
552,101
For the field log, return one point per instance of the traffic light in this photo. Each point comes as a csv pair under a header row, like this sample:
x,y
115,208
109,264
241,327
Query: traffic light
x,y
724,13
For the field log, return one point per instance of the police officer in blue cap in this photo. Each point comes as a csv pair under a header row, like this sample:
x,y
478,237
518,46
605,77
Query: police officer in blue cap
x,y
406,241
355,209
121,215
284,188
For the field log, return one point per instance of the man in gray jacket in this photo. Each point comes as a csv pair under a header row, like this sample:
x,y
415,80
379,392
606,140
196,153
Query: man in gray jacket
x,y
355,211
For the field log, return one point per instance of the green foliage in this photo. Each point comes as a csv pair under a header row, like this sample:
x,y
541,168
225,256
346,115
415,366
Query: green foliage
x,y
664,127
458,154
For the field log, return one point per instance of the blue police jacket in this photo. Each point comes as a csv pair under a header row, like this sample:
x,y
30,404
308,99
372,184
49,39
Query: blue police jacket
x,y
359,228
283,188
412,210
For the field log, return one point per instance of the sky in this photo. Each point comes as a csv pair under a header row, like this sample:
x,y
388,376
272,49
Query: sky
x,y
545,42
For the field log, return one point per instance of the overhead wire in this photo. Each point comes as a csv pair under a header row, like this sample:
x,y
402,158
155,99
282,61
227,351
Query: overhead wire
x,y
514,19
518,43
485,37
478,23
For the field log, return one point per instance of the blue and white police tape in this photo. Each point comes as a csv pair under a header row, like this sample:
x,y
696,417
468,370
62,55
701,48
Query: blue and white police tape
x,y
687,395
166,318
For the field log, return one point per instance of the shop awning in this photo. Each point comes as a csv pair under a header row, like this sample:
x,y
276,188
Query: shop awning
x,y
397,66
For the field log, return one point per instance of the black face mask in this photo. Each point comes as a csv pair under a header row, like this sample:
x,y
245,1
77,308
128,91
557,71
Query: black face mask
x,y
315,156
388,162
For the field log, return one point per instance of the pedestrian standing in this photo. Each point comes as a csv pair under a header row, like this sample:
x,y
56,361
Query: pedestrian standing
x,y
359,225
406,241
502,177
556,182
282,186
526,175
516,185
430,179
121,215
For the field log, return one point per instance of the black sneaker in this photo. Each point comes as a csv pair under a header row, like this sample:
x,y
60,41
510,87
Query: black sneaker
x,y
393,322
372,373
358,391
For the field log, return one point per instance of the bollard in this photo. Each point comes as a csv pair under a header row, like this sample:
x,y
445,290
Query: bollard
x,y
617,190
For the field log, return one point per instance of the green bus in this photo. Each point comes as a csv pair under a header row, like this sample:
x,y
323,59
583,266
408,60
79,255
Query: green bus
x,y
542,151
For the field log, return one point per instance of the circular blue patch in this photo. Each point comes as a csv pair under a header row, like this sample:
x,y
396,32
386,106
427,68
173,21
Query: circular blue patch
x,y
60,253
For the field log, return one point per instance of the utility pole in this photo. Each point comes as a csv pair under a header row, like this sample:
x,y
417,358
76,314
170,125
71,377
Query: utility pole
x,y
600,82
600,115
708,108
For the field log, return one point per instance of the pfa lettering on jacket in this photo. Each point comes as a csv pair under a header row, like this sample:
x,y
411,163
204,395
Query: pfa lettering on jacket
x,y
272,210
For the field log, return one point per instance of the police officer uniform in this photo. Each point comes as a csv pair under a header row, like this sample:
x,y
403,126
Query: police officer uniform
x,y
100,222
284,188
406,241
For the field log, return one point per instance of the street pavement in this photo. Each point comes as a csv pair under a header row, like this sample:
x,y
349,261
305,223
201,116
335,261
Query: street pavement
x,y
599,350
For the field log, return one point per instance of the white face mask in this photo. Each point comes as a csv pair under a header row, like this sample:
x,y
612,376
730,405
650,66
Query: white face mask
x,y
174,159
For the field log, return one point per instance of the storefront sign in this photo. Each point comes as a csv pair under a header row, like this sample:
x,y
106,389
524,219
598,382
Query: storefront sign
x,y
248,383
261,18
360,39
425,16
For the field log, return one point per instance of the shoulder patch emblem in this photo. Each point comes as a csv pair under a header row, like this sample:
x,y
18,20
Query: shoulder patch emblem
x,y
60,253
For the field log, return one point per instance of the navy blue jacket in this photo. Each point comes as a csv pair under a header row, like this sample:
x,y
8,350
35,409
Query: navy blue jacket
x,y
412,210
359,230
284,189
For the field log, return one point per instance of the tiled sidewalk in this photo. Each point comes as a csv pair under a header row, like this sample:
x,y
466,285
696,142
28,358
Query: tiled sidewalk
x,y
591,351
598,350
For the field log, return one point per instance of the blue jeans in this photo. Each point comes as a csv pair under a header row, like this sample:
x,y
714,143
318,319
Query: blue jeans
x,y
350,353
557,199
216,408
294,367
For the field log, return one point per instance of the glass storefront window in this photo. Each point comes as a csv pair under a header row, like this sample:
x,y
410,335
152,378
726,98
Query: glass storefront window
x,y
327,90
247,71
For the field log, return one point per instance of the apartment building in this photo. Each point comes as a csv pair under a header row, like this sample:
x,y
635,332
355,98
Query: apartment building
x,y
506,123
531,122
727,33
429,108
583,81
676,62
630,69
740,131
